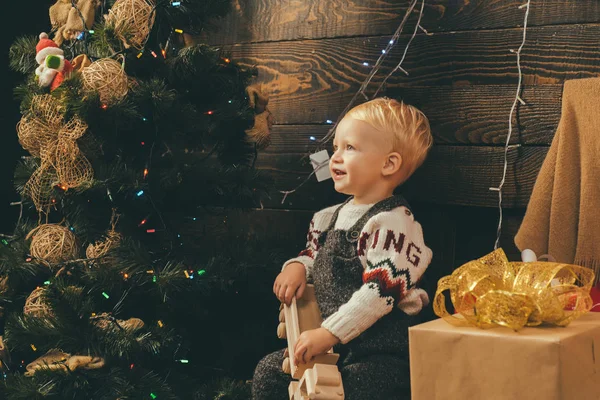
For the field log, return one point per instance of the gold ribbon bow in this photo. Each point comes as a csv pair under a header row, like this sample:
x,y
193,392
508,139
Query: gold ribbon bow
x,y
492,291
43,133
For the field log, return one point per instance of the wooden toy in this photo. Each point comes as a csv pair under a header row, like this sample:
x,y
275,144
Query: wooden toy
x,y
319,378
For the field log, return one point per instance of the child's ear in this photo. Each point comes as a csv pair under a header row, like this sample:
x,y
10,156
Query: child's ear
x,y
392,164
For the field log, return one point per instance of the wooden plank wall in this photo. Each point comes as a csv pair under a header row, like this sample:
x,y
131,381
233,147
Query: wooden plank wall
x,y
310,54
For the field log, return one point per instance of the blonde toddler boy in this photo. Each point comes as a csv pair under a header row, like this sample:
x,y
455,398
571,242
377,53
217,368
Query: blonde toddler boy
x,y
365,258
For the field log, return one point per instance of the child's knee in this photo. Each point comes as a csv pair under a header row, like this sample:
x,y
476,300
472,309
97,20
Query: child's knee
x,y
269,381
377,378
270,363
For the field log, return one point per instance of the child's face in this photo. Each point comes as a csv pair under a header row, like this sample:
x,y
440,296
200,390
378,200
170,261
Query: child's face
x,y
360,153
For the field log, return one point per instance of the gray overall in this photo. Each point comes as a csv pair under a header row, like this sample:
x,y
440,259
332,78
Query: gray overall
x,y
374,365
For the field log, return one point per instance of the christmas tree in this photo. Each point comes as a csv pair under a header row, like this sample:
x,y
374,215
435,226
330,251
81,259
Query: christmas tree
x,y
107,289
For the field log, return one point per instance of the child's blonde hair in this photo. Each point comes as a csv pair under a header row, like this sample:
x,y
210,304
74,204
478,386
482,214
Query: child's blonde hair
x,y
408,127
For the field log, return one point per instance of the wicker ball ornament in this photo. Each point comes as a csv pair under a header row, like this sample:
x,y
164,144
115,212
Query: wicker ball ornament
x,y
132,21
111,240
102,247
53,243
35,305
107,77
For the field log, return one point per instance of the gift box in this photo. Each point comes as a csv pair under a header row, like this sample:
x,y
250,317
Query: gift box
x,y
546,362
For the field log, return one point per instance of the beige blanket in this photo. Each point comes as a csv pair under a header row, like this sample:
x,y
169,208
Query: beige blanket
x,y
563,215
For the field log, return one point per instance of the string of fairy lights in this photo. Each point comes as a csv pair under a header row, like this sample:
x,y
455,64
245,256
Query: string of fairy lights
x,y
385,52
361,92
376,67
190,274
378,64
85,34
507,145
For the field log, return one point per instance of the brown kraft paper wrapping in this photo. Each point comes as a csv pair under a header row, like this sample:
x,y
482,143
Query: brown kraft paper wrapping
x,y
468,363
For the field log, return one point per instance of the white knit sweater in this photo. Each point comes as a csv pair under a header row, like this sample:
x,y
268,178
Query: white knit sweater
x,y
389,241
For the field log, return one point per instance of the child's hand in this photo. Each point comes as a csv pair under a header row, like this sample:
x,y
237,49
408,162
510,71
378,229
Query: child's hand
x,y
291,282
312,343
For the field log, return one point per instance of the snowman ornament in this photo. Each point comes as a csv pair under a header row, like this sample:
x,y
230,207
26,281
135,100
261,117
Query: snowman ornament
x,y
53,67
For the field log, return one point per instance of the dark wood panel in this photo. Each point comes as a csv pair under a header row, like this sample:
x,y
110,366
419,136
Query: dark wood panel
x,y
310,57
289,171
456,234
439,231
462,175
459,234
312,81
275,20
479,114
458,115
438,222
295,138
267,224
459,175
476,233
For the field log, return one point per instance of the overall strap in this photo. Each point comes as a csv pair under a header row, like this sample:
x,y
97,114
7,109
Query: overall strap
x,y
336,213
384,205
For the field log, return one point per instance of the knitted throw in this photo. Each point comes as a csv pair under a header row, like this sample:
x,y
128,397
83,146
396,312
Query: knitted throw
x,y
563,214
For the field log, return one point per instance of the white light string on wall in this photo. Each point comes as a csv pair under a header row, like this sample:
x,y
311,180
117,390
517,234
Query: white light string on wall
x,y
361,91
508,146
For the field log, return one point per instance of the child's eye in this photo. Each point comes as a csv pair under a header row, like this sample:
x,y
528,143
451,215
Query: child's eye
x,y
349,147
335,148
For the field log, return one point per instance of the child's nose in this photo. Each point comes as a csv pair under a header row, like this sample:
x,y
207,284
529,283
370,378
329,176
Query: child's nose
x,y
336,157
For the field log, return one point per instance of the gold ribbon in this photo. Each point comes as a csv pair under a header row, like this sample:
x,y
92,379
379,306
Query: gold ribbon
x,y
44,134
492,291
